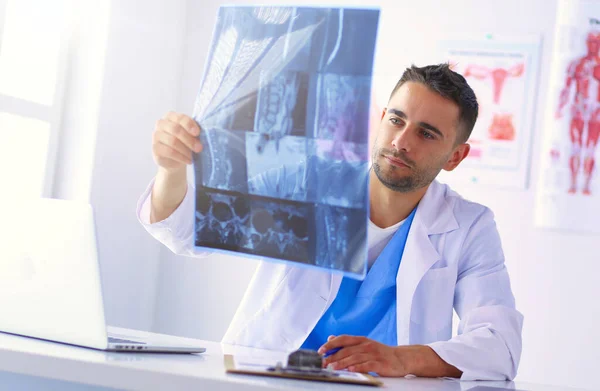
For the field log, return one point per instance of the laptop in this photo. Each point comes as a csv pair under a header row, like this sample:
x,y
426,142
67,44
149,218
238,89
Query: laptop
x,y
50,284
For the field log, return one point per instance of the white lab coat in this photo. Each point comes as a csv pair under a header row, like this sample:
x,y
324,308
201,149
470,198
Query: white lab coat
x,y
453,259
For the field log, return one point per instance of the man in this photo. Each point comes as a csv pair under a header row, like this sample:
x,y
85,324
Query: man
x,y
447,252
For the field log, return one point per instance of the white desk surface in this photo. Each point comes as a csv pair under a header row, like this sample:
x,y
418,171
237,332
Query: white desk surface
x,y
148,371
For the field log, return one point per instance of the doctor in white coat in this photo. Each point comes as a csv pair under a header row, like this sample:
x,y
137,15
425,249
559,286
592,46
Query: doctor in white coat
x,y
452,256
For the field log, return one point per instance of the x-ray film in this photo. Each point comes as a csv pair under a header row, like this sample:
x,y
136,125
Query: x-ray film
x,y
284,111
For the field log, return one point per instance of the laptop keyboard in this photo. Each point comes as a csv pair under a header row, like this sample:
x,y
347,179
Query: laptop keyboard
x,y
127,341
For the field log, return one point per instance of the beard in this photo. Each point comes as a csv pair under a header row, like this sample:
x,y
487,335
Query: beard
x,y
416,178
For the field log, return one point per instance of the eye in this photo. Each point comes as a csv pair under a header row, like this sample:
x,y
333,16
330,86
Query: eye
x,y
427,135
395,121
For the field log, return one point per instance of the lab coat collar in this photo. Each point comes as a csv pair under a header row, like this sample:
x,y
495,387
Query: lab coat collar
x,y
433,211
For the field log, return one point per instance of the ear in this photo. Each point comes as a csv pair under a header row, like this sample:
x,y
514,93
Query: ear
x,y
458,155
383,112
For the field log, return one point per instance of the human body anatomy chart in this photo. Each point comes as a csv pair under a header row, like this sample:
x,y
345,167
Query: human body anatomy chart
x,y
569,186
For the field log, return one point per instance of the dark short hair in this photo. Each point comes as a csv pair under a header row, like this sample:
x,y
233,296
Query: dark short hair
x,y
450,85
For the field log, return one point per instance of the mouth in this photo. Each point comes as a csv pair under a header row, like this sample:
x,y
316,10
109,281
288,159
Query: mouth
x,y
396,162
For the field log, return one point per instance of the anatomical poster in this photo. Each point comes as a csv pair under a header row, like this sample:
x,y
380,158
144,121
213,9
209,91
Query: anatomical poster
x,y
503,73
284,111
569,185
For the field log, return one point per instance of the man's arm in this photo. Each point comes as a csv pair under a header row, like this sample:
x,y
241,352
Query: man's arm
x,y
166,208
360,354
168,191
174,140
423,361
488,345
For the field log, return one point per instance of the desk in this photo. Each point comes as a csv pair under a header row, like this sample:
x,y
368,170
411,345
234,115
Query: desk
x,y
25,360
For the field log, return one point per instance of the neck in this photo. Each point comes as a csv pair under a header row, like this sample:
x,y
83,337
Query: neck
x,y
389,207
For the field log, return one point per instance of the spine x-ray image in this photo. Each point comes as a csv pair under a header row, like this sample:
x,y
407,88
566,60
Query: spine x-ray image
x,y
284,111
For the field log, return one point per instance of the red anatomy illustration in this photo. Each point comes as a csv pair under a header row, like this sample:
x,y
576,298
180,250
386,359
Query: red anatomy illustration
x,y
499,76
584,73
502,127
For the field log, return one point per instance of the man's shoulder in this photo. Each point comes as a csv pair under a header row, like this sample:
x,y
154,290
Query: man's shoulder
x,y
466,212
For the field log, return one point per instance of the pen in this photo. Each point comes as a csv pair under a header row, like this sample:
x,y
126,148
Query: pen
x,y
331,352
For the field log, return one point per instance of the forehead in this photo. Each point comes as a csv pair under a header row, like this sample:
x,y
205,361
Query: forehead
x,y
420,104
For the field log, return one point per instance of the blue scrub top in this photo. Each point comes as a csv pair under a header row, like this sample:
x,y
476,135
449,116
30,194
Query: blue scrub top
x,y
366,308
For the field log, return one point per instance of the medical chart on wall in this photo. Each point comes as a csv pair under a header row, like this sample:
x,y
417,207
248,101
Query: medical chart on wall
x,y
503,73
284,108
568,194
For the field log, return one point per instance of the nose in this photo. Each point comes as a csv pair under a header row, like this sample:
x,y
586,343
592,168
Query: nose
x,y
403,139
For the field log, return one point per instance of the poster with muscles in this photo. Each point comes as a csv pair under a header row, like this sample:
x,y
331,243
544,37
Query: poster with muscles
x,y
569,190
503,72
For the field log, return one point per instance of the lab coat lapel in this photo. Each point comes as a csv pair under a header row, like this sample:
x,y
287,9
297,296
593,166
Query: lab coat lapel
x,y
433,216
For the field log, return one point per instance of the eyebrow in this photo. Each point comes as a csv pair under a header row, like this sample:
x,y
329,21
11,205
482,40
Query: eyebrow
x,y
424,125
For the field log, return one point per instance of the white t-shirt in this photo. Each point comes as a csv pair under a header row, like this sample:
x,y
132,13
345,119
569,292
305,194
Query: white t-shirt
x,y
378,238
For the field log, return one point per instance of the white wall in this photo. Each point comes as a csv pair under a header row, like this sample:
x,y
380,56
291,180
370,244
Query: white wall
x,y
125,74
83,92
553,273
